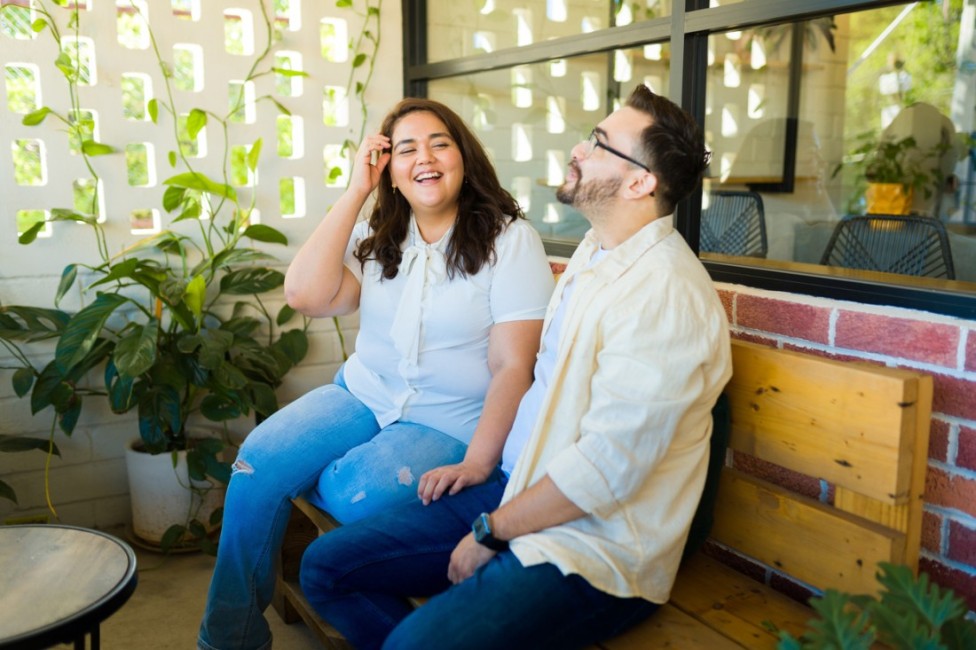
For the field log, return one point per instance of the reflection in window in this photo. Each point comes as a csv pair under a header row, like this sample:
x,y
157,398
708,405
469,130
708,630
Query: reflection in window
x,y
531,144
882,74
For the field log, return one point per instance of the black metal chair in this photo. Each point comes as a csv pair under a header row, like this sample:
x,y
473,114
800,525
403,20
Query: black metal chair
x,y
905,244
734,224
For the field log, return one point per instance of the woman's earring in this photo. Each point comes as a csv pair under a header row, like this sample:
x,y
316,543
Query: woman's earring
x,y
394,187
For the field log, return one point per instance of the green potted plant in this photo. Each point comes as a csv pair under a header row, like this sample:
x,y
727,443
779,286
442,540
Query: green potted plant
x,y
911,613
888,172
176,326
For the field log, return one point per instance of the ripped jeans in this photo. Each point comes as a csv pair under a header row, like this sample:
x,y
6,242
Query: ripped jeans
x,y
327,446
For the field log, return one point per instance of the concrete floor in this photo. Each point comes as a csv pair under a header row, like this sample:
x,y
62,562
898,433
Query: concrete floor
x,y
165,610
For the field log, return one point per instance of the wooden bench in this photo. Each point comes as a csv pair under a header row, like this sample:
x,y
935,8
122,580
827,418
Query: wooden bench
x,y
859,430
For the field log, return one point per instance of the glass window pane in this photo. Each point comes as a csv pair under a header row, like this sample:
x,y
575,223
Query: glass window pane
x,y
875,91
529,117
468,28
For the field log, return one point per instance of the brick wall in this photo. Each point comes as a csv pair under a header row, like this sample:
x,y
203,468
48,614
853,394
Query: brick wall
x,y
941,346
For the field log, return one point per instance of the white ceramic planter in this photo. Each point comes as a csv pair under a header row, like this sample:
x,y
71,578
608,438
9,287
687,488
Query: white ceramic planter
x,y
161,496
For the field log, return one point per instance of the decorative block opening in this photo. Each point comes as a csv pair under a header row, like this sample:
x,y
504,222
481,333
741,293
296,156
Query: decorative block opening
x,y
30,164
191,147
144,221
291,193
186,9
288,85
140,164
136,92
291,136
132,24
239,32
336,165
241,102
89,197
334,39
188,67
22,82
335,106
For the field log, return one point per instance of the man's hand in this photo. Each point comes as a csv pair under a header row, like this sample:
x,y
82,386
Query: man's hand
x,y
451,479
467,556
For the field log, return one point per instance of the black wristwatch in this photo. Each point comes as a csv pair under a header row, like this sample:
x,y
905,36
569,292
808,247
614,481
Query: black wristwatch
x,y
482,534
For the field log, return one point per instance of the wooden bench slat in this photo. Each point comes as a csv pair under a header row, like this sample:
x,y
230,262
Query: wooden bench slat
x,y
669,627
327,635
734,604
809,540
842,421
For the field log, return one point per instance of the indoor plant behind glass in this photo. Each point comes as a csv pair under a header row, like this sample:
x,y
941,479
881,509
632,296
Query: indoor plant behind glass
x,y
174,324
888,171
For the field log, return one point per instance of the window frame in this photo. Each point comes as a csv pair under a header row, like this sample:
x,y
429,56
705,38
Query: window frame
x,y
688,29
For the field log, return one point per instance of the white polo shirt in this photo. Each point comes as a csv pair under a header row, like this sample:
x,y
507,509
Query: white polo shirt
x,y
422,349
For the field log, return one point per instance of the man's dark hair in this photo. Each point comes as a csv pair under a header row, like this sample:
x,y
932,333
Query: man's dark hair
x,y
484,206
672,146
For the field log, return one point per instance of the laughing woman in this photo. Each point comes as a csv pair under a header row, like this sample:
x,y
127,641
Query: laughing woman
x,y
451,284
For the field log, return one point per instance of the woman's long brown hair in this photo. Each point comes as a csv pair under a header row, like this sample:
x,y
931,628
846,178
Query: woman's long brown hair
x,y
484,206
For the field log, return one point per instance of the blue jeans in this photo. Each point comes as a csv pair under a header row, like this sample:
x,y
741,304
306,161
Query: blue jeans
x,y
359,576
328,446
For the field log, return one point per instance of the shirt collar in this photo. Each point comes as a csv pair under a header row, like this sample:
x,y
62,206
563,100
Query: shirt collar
x,y
623,256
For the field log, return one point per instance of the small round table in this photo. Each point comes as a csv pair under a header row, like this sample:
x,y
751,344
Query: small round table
x,y
57,583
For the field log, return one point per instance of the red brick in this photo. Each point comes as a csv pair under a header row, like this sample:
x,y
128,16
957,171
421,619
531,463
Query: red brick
x,y
755,338
954,396
801,483
728,300
962,544
829,354
932,532
939,441
970,363
966,453
782,317
934,343
961,582
950,491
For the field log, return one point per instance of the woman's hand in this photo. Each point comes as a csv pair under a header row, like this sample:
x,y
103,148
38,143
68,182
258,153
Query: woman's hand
x,y
366,174
451,479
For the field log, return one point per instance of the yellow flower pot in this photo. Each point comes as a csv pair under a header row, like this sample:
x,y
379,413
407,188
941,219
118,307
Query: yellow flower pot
x,y
889,198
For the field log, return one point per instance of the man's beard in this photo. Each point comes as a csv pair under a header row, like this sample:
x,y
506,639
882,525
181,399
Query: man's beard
x,y
587,195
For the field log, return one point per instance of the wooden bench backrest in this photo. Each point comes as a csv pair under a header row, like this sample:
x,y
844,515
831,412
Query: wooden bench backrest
x,y
862,428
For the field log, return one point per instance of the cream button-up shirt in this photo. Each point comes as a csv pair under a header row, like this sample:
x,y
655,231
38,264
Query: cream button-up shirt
x,y
624,428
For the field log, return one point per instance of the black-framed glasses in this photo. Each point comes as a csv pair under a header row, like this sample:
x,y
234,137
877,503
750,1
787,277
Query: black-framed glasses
x,y
593,142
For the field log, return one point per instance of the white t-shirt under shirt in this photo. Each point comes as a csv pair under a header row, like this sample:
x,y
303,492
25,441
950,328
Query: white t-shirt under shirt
x,y
528,409
422,349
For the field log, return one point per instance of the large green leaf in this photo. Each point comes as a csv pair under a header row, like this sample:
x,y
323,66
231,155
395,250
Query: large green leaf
x,y
264,398
135,353
14,444
285,314
251,280
31,323
219,408
22,381
243,326
264,233
92,148
173,197
120,271
83,329
210,345
195,296
294,345
199,181
29,235
120,393
229,376
36,117
195,123
68,276
160,418
49,379
254,154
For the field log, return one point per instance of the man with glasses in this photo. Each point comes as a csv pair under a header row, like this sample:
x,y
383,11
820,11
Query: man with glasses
x,y
579,532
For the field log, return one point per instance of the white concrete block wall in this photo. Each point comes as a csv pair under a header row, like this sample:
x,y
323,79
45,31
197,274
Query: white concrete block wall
x,y
88,482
